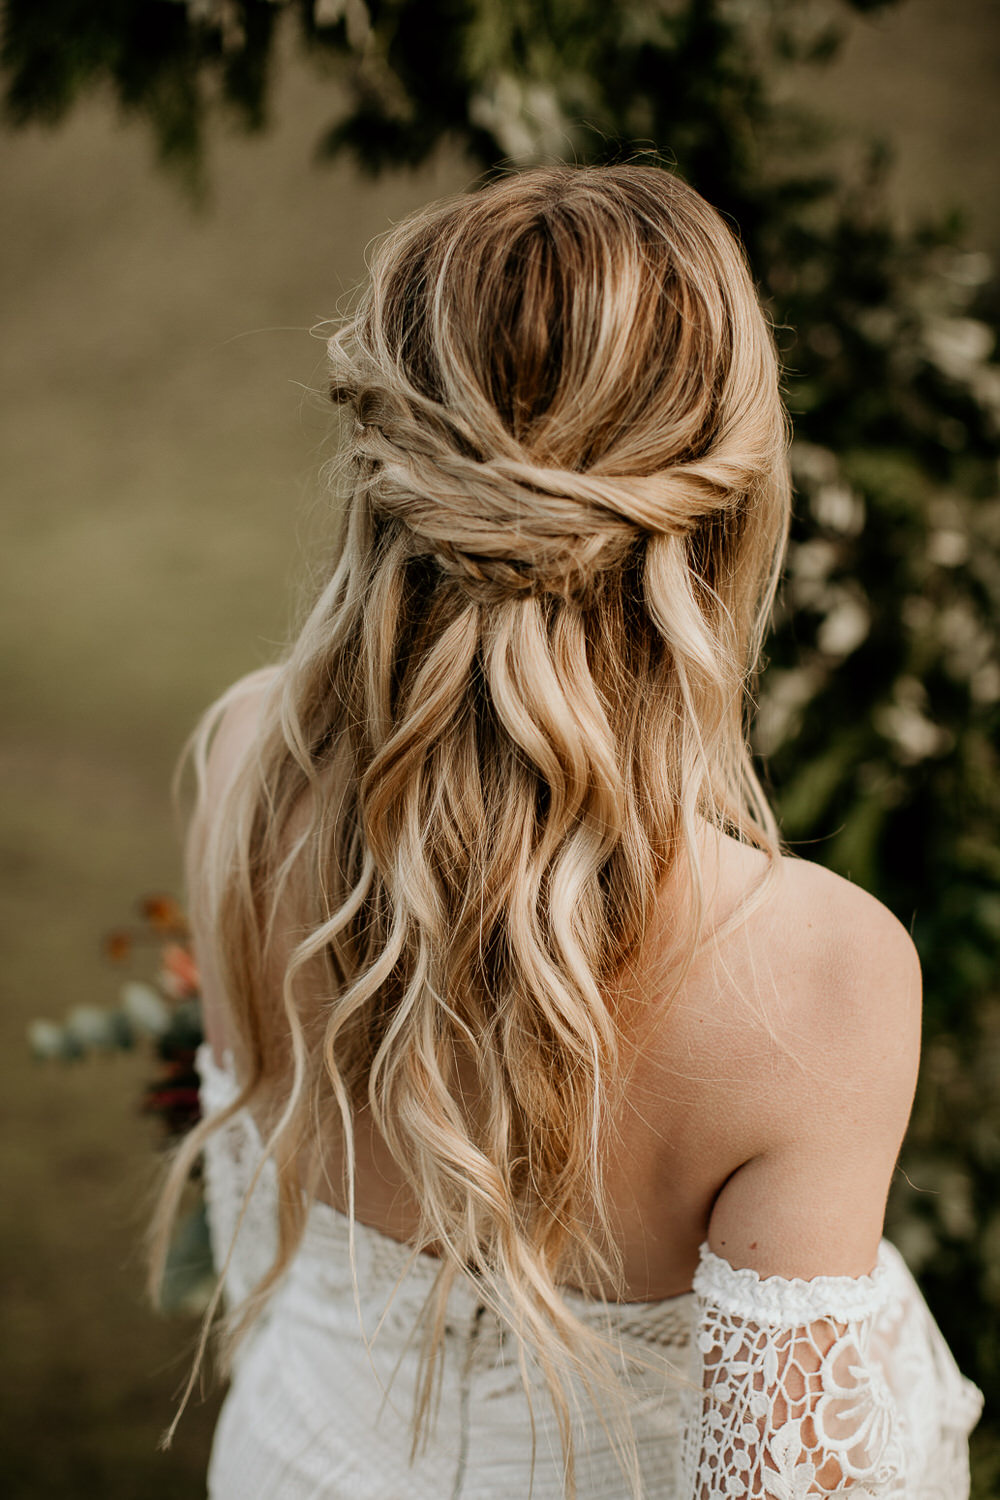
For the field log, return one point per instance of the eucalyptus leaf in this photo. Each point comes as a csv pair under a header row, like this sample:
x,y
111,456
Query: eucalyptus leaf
x,y
189,1274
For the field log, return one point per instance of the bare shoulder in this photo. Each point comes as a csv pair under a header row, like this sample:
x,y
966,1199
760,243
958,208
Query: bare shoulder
x,y
819,981
814,958
835,1057
226,731
818,944
847,961
229,727
828,902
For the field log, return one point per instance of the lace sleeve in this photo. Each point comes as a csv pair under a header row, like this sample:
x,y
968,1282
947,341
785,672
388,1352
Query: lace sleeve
x,y
230,1160
839,1386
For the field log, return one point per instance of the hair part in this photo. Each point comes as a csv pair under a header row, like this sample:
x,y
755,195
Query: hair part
x,y
518,698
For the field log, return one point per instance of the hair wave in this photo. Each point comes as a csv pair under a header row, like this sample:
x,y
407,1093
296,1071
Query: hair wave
x,y
520,694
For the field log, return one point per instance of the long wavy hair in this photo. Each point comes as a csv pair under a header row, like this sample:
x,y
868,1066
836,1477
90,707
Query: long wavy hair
x,y
517,700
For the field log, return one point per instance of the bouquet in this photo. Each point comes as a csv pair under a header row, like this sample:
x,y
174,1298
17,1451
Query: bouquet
x,y
159,1007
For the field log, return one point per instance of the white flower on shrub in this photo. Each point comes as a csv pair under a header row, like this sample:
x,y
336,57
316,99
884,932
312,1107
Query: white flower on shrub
x,y
809,567
838,507
968,645
984,684
845,626
904,722
353,12
524,117
947,548
958,346
970,268
811,463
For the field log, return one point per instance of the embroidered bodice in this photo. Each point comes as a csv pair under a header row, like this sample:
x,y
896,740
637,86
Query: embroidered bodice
x,y
764,1389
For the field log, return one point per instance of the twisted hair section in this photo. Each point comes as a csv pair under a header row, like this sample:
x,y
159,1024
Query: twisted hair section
x,y
519,697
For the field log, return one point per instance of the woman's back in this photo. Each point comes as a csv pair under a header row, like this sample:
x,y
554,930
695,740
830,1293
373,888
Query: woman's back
x,y
492,909
766,1100
721,1085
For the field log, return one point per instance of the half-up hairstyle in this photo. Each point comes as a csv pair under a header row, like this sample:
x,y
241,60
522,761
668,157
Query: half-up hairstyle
x,y
520,696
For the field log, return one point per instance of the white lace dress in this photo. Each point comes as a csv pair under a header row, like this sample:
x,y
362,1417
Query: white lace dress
x,y
767,1389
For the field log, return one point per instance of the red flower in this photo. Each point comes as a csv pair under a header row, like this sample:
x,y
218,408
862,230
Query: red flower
x,y
162,913
117,946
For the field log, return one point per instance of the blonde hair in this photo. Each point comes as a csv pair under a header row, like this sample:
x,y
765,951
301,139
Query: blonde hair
x,y
520,695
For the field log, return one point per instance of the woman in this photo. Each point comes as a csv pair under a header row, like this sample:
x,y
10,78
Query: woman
x,y
551,1107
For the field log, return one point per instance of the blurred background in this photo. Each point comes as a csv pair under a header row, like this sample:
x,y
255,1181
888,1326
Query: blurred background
x,y
189,189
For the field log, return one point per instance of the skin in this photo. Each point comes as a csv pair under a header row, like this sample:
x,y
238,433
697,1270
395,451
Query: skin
x,y
766,1102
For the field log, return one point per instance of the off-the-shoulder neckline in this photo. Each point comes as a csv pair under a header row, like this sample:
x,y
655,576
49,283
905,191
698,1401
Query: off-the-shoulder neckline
x,y
737,1284
750,1280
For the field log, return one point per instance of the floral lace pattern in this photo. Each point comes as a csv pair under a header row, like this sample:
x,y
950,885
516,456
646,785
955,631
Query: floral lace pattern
x,y
839,1386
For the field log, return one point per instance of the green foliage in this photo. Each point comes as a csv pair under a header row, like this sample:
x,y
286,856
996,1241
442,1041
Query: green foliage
x,y
568,77
188,1274
880,708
